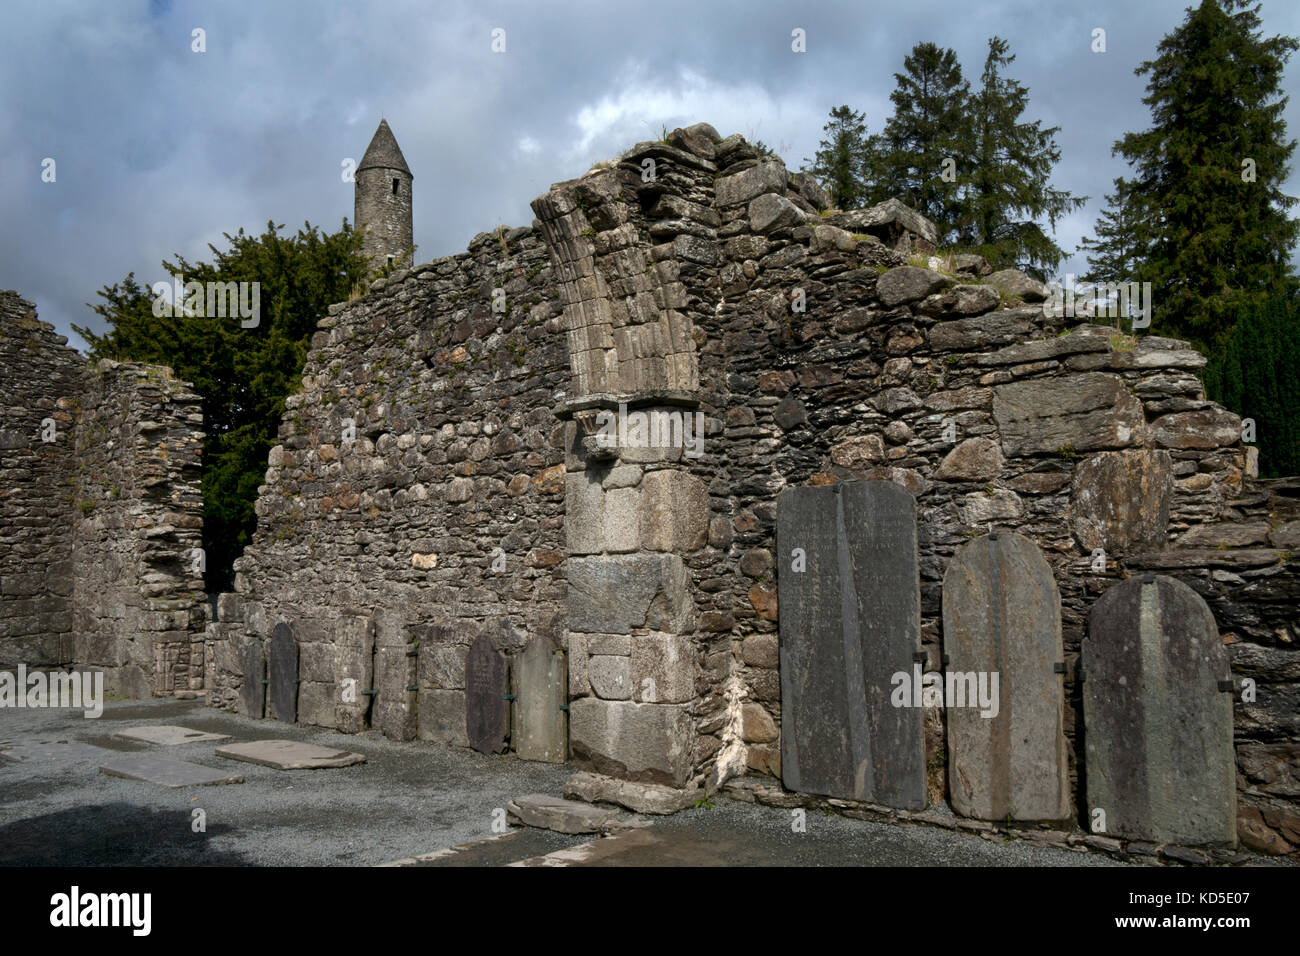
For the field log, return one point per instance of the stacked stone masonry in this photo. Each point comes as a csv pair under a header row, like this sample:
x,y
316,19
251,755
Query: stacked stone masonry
x,y
100,528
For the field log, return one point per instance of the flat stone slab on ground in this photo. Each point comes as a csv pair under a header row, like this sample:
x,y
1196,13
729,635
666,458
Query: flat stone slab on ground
x,y
166,771
167,735
51,752
289,755
568,816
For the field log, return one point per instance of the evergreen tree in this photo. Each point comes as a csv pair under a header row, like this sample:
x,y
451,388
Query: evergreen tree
x,y
244,375
1215,239
843,158
1113,255
930,124
1005,175
1254,375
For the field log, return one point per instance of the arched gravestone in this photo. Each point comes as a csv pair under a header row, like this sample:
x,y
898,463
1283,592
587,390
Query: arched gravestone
x,y
252,693
1002,615
849,622
540,729
1158,728
283,673
487,682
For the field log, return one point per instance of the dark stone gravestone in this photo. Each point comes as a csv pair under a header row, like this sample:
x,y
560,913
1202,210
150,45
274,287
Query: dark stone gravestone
x,y
850,621
487,682
284,674
540,727
1160,763
252,694
1002,618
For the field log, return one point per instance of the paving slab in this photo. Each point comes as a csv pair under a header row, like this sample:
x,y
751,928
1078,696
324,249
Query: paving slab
x,y
568,816
53,751
165,771
167,735
289,755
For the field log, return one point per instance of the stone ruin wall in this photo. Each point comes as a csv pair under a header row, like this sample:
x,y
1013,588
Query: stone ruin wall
x,y
98,527
379,552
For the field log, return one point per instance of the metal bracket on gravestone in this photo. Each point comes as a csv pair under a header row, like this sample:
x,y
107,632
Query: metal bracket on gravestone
x,y
1160,758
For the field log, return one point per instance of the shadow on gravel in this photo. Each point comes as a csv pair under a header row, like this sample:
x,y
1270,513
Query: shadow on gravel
x,y
113,834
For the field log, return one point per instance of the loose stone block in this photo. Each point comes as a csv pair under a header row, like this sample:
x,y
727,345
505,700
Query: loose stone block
x,y
641,797
849,622
289,755
650,743
283,672
252,693
1159,731
167,735
540,725
165,771
487,682
1002,617
563,816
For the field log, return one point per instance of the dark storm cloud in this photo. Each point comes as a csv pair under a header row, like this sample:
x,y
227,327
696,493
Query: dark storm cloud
x,y
160,150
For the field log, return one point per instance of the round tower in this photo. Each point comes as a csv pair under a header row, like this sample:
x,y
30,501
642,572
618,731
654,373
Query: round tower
x,y
382,210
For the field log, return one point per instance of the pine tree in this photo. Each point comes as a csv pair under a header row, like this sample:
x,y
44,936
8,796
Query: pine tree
x,y
1112,256
930,123
1214,239
843,158
243,374
1005,173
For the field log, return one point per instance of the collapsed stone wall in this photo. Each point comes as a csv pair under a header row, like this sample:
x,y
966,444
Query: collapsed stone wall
x,y
389,547
41,377
101,522
139,606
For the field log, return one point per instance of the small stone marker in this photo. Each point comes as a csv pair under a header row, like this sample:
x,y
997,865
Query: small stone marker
x,y
289,755
541,681
165,771
283,672
252,694
167,735
849,622
567,816
487,681
1002,615
1160,762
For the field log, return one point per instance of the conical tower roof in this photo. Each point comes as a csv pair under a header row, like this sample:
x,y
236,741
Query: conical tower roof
x,y
383,152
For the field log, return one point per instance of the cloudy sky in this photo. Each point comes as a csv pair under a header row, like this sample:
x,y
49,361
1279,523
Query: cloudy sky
x,y
160,149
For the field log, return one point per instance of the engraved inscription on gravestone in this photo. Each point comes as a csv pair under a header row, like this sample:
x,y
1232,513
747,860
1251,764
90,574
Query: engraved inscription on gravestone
x,y
1160,762
487,716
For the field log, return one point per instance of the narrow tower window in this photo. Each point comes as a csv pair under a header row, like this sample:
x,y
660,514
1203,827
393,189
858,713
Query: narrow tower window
x,y
395,182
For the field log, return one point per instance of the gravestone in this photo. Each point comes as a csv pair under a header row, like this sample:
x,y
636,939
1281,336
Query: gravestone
x,y
541,687
289,755
1160,763
487,682
167,735
1002,615
165,771
283,673
355,672
849,622
252,694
